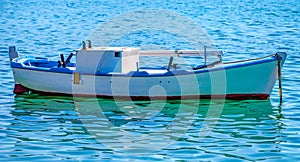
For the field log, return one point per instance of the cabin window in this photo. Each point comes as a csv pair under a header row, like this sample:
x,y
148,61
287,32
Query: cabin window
x,y
117,54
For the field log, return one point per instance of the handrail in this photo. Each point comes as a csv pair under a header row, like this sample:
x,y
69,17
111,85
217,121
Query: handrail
x,y
179,53
249,59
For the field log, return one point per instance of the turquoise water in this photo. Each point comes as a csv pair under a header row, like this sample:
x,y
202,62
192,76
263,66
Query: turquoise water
x,y
35,128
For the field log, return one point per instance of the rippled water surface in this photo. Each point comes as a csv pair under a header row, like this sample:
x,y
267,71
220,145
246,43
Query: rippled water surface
x,y
35,128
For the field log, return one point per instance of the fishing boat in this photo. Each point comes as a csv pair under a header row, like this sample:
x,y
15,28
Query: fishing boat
x,y
116,72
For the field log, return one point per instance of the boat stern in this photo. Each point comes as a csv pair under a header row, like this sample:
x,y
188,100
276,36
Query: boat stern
x,y
18,88
12,52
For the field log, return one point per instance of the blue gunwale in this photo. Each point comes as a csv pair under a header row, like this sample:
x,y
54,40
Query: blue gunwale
x,y
66,70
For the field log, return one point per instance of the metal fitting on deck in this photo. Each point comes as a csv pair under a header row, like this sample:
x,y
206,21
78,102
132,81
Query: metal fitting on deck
x,y
83,45
89,43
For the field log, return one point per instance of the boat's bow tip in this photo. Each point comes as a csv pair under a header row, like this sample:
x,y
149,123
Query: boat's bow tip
x,y
282,56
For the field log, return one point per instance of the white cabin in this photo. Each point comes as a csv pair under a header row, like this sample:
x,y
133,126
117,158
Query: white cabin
x,y
104,60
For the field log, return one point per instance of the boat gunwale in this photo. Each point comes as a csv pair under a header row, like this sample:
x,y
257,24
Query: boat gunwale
x,y
225,66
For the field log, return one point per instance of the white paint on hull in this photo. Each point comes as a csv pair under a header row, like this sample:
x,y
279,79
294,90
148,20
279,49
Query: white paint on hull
x,y
252,79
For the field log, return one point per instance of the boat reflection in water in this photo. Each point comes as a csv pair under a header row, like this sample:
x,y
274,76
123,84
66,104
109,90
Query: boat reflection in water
x,y
207,126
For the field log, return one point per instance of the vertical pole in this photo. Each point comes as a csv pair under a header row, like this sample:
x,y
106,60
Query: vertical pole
x,y
137,66
279,79
83,45
205,57
170,63
89,43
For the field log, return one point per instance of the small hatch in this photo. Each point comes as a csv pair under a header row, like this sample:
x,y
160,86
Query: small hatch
x,y
117,54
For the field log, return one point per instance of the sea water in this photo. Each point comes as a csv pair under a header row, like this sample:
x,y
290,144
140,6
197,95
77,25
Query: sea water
x,y
35,128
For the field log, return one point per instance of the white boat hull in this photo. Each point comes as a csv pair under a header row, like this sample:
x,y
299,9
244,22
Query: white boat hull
x,y
251,81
